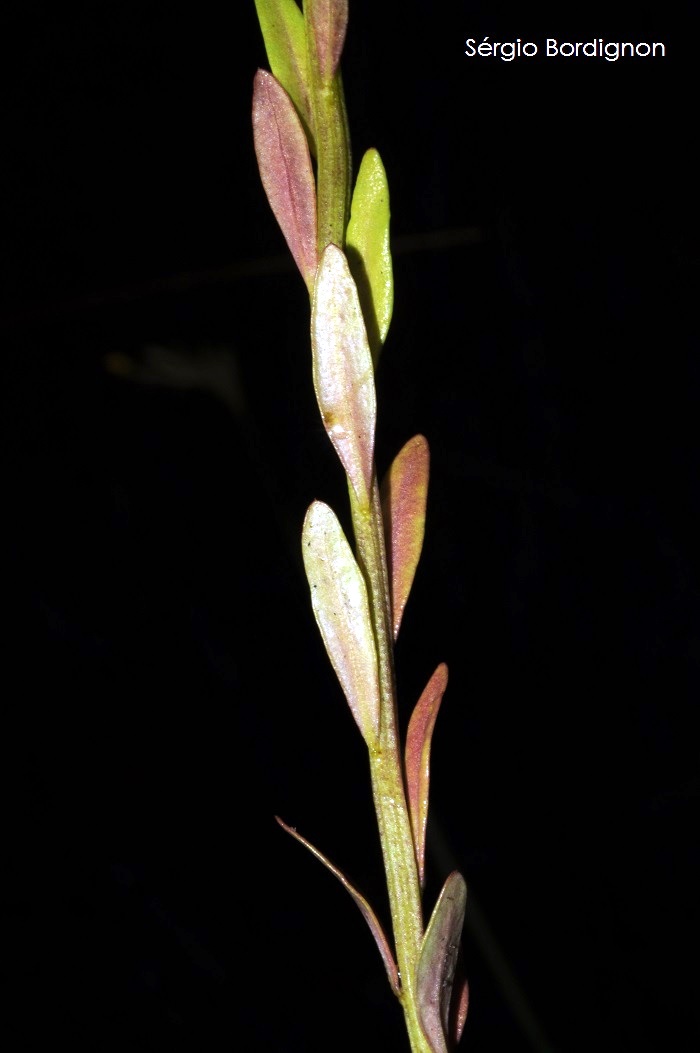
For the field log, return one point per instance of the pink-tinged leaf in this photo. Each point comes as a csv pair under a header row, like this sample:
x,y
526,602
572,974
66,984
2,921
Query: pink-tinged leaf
x,y
285,169
459,1007
341,606
328,21
343,371
417,759
404,495
367,912
282,25
438,960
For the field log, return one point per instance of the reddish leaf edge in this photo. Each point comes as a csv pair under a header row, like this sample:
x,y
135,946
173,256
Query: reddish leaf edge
x,y
459,1006
408,472
368,914
417,759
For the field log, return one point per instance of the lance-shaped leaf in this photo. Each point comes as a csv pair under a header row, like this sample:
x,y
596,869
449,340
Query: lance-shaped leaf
x,y
367,912
404,495
438,960
368,251
341,606
285,169
342,369
417,759
282,25
327,20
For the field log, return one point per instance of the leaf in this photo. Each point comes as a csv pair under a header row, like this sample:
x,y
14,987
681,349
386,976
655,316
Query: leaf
x,y
282,25
342,370
367,912
459,1007
417,759
437,962
368,250
404,493
328,21
341,606
285,169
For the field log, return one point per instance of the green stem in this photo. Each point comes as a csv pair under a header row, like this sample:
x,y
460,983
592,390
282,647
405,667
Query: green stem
x,y
332,179
386,769
333,159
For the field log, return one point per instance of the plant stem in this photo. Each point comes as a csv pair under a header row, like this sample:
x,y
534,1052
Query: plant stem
x,y
333,159
386,769
333,175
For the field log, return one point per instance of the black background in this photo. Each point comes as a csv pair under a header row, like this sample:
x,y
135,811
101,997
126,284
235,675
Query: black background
x,y
166,691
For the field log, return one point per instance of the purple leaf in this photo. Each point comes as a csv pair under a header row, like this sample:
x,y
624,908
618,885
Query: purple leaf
x,y
285,169
437,962
367,912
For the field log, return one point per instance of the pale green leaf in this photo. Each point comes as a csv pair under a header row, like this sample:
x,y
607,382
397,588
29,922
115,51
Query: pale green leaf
x,y
282,25
368,249
342,370
437,963
341,606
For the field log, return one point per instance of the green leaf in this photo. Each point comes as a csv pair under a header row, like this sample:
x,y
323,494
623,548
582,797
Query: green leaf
x,y
328,21
367,912
341,606
404,494
342,370
285,169
417,759
437,963
367,246
282,25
